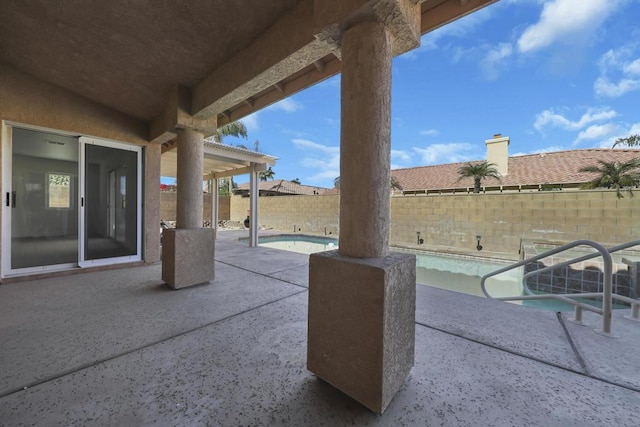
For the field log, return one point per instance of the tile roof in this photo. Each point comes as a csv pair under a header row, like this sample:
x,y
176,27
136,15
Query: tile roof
x,y
560,167
281,187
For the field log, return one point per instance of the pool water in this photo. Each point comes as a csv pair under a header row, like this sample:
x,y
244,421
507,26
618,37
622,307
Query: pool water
x,y
299,243
459,273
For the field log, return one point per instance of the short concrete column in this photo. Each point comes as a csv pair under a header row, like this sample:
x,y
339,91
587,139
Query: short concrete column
x,y
362,298
189,177
365,141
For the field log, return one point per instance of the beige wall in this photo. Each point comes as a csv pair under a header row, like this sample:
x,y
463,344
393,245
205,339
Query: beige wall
x,y
309,214
29,101
168,201
451,222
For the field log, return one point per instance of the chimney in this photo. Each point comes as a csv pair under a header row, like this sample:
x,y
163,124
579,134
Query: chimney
x,y
498,153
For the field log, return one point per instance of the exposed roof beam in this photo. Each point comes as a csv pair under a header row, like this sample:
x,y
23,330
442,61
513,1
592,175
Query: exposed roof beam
x,y
285,48
434,14
240,171
279,87
293,86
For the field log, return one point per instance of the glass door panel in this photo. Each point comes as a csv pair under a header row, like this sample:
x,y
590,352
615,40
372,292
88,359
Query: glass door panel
x,y
111,201
42,199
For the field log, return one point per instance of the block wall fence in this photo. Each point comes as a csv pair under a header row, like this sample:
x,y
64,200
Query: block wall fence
x,y
452,222
168,200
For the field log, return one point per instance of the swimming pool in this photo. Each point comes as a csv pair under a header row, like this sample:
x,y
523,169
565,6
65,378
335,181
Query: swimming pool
x,y
459,273
298,243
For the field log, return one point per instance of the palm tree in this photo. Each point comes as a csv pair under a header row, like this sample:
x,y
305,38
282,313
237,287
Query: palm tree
x,y
478,171
265,175
395,185
614,175
630,141
237,129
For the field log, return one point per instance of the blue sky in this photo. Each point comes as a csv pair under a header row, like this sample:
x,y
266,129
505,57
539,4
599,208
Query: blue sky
x,y
552,75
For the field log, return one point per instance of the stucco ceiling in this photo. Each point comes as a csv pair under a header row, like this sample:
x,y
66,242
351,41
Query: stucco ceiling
x,y
234,56
129,54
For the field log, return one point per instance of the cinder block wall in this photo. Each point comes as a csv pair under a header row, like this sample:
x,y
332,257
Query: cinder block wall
x,y
168,200
504,219
452,222
308,214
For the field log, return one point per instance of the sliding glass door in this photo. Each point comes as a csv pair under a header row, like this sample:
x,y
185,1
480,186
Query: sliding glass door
x,y
111,206
42,200
68,201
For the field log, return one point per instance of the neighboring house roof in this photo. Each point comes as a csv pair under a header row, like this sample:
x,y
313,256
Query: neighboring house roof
x,y
280,187
532,170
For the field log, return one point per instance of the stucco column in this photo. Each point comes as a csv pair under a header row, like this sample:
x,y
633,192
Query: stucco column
x,y
361,328
254,193
151,249
189,176
188,250
365,137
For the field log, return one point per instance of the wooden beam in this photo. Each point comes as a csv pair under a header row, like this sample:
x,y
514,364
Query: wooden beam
x,y
282,50
303,81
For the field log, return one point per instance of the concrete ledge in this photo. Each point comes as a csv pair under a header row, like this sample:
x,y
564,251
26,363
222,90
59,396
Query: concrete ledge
x,y
188,256
362,324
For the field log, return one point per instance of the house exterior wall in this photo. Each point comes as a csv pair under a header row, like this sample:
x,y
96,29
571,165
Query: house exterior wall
x,y
452,222
32,102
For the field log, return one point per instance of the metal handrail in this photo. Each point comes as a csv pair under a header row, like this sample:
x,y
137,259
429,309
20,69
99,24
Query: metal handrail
x,y
586,257
606,288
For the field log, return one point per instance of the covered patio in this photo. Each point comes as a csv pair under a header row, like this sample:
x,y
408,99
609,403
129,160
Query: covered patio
x,y
133,79
120,348
224,161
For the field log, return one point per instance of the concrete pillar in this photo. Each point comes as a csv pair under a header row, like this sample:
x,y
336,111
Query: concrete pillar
x,y
188,250
254,193
189,177
362,298
215,202
365,140
151,248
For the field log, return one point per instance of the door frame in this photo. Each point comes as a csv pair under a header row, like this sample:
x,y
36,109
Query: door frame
x,y
82,262
6,153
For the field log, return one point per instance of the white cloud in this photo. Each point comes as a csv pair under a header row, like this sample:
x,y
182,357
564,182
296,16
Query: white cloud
x,y
597,132
549,118
400,156
447,153
288,105
324,158
549,149
457,29
494,59
251,122
619,72
429,132
624,132
566,21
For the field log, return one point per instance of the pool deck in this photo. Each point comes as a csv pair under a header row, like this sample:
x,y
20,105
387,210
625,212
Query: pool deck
x,y
118,347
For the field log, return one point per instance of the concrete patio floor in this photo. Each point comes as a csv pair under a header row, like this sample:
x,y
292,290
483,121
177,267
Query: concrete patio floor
x,y
119,347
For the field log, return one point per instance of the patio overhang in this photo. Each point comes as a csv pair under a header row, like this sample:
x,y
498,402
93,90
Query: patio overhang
x,y
220,161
